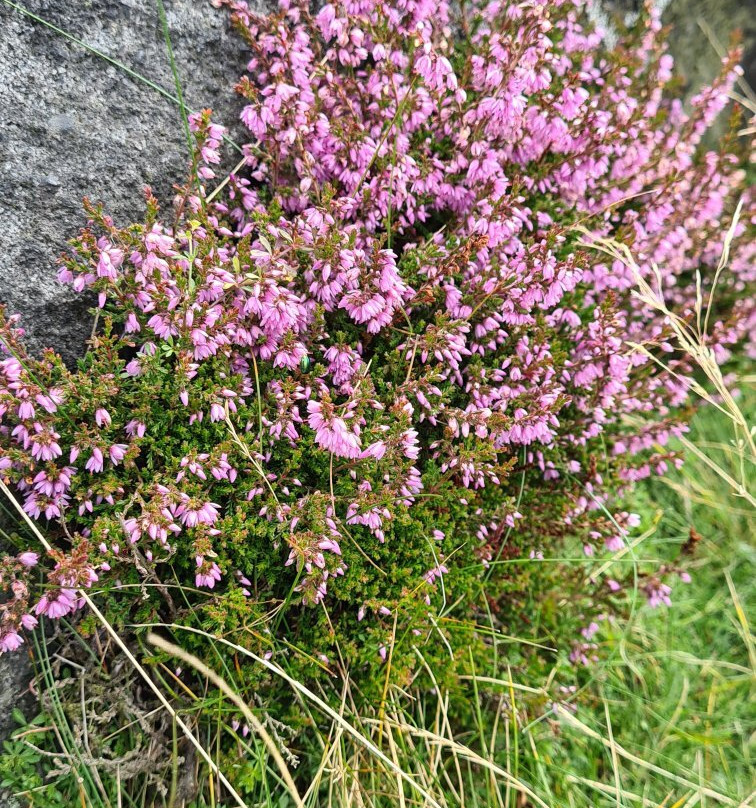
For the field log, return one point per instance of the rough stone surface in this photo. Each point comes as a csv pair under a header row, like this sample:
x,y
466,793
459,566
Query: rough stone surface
x,y
72,125
701,27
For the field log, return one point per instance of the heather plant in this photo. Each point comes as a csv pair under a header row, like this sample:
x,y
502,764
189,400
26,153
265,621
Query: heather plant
x,y
359,396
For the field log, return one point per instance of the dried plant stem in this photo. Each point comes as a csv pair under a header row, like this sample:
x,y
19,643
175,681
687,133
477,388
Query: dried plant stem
x,y
227,690
693,342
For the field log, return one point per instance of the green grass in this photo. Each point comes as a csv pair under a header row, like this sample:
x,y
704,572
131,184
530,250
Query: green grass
x,y
679,693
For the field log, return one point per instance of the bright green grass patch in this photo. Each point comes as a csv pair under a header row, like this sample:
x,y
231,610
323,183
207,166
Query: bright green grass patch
x,y
679,693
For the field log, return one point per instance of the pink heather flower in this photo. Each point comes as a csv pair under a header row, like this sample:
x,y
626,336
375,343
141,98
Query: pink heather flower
x,y
102,417
49,402
162,326
96,462
135,429
435,573
207,573
382,652
21,434
290,356
376,450
10,641
583,653
590,630
132,325
158,241
36,505
331,432
344,363
26,410
29,622
223,470
410,446
658,594
44,444
28,559
57,604
614,543
191,515
110,259
117,452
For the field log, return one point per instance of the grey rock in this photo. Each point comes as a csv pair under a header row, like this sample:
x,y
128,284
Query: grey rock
x,y
61,124
73,125
699,28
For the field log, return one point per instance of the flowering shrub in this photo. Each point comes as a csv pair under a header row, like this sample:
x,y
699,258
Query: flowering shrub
x,y
379,365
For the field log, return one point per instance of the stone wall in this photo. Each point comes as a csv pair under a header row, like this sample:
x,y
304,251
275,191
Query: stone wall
x,y
72,125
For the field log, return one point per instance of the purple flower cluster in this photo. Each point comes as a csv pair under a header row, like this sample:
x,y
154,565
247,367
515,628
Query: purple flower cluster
x,y
397,261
